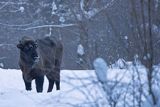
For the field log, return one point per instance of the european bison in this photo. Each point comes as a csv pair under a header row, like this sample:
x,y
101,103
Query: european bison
x,y
39,58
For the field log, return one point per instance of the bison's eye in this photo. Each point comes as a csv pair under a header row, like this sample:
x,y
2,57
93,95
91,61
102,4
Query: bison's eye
x,y
30,46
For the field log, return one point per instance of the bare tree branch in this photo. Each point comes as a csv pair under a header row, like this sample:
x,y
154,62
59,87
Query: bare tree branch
x,y
48,26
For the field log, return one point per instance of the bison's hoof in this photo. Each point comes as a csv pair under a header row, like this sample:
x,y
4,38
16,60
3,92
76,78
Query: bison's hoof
x,y
39,91
49,91
29,89
58,89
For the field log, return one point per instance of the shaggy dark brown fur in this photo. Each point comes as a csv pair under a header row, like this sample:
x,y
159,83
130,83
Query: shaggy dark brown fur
x,y
39,58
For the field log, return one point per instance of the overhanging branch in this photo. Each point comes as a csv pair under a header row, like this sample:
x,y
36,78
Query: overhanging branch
x,y
48,26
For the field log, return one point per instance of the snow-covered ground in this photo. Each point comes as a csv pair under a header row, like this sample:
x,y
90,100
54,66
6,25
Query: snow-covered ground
x,y
79,88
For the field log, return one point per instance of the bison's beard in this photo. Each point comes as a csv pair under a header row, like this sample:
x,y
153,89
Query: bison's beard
x,y
37,59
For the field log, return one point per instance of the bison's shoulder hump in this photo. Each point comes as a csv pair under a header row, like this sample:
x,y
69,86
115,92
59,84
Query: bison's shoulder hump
x,y
47,41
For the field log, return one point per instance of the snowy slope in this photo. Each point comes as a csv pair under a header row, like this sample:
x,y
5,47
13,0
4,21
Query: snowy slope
x,y
78,88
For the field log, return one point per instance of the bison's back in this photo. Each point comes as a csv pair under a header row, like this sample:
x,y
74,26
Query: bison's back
x,y
49,49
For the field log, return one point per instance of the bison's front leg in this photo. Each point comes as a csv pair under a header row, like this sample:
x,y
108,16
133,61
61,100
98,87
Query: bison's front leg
x,y
57,85
39,80
27,85
51,84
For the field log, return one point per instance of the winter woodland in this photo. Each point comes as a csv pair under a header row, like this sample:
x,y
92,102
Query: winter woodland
x,y
111,51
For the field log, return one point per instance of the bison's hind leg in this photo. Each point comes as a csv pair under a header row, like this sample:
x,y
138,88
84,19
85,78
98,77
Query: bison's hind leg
x,y
39,80
51,84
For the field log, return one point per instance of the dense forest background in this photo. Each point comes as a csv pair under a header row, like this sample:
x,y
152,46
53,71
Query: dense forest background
x,y
110,29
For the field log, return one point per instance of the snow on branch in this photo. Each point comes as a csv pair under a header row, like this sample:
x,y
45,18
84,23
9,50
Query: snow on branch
x,y
101,69
14,3
46,26
1,45
93,12
3,58
4,5
20,25
80,50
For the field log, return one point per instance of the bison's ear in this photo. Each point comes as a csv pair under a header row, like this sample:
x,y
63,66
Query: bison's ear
x,y
20,46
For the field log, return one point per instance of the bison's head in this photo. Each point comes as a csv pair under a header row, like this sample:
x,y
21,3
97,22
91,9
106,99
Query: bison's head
x,y
27,48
